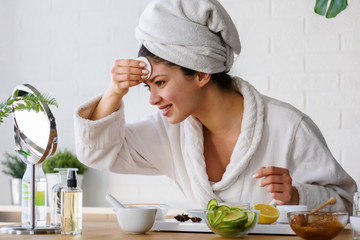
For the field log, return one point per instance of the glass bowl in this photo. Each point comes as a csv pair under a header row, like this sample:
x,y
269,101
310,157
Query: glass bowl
x,y
231,223
240,205
320,225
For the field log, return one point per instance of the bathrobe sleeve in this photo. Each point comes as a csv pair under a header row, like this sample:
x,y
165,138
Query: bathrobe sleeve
x,y
109,144
316,174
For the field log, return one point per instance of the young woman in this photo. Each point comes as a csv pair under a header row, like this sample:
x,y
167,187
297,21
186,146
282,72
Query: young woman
x,y
214,134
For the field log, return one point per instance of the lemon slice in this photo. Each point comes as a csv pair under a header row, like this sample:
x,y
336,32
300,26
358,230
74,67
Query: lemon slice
x,y
268,213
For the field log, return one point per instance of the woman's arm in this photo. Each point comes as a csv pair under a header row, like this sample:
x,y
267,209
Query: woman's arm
x,y
126,73
311,175
103,139
316,174
109,144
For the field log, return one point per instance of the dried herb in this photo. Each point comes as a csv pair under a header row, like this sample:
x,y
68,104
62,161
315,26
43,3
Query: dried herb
x,y
196,219
182,217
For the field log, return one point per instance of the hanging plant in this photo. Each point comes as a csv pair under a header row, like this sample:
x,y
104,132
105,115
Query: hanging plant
x,y
330,10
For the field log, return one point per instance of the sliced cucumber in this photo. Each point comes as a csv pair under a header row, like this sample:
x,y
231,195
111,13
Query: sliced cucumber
x,y
211,204
213,207
218,218
223,208
229,221
235,216
251,219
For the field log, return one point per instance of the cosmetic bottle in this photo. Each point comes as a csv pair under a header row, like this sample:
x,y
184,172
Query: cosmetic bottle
x,y
71,206
40,196
55,199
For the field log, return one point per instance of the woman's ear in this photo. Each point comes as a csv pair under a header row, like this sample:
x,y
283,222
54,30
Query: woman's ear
x,y
203,78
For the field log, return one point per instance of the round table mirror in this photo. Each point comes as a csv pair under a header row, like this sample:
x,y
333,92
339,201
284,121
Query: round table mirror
x,y
36,139
35,131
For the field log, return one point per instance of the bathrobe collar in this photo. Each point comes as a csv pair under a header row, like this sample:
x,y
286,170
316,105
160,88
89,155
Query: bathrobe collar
x,y
245,147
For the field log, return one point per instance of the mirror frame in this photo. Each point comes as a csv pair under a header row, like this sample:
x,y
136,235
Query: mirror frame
x,y
21,140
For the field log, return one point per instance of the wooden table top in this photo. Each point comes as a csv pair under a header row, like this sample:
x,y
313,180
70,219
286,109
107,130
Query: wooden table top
x,y
110,230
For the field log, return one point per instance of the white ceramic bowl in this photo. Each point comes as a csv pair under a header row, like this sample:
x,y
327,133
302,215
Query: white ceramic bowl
x,y
284,209
355,223
162,209
136,220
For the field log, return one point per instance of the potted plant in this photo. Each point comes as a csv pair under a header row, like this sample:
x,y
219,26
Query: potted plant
x,y
62,159
15,168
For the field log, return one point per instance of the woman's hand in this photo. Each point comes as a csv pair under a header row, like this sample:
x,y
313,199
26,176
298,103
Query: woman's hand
x,y
278,183
126,73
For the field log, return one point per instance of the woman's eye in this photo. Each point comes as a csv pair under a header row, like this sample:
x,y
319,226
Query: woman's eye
x,y
147,86
160,83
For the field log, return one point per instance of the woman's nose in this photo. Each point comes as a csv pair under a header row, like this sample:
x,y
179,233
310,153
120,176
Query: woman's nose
x,y
154,97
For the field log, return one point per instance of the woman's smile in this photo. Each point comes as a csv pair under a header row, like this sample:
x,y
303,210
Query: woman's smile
x,y
165,109
176,95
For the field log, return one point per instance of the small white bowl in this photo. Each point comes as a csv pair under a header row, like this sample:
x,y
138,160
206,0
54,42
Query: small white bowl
x,y
162,209
284,209
136,220
355,223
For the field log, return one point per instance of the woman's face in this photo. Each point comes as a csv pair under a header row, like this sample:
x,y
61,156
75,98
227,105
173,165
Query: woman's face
x,y
177,96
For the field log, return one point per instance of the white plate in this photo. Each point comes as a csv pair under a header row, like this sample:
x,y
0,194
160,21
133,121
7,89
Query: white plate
x,y
171,225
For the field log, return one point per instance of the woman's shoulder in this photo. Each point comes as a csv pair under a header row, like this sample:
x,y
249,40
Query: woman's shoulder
x,y
281,111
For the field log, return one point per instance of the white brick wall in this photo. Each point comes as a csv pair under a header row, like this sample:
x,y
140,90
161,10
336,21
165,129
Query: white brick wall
x,y
66,48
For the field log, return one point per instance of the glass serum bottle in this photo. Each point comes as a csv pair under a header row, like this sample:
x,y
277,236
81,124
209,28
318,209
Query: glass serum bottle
x,y
71,206
55,200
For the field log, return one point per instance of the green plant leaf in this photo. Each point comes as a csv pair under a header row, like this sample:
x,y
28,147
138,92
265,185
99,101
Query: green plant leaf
x,y
335,7
25,102
14,166
63,159
320,7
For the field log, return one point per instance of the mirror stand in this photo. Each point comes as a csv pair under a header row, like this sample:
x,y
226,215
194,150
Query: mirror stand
x,y
36,139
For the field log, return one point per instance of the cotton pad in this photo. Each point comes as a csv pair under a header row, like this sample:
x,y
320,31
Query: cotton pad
x,y
147,64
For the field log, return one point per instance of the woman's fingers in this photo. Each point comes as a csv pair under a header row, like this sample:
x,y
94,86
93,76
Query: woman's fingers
x,y
277,182
281,198
127,84
266,171
274,187
273,179
127,77
129,62
129,70
127,73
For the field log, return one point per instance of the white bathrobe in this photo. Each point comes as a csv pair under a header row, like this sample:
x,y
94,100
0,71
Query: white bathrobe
x,y
273,134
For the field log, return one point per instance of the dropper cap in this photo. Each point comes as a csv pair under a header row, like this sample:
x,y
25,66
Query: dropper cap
x,y
71,178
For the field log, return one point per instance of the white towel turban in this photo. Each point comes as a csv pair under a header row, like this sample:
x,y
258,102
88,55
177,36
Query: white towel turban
x,y
196,34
